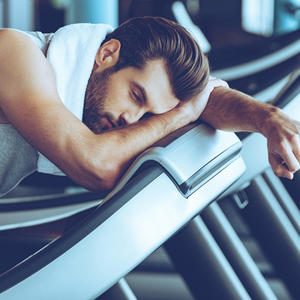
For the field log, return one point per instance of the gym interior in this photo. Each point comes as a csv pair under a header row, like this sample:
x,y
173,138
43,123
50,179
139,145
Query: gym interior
x,y
212,224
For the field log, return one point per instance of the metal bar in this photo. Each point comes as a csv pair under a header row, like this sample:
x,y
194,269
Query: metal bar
x,y
274,232
202,264
284,198
5,20
19,14
236,253
120,291
292,187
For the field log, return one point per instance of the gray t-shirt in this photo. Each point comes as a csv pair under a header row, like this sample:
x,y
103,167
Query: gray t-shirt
x,y
18,159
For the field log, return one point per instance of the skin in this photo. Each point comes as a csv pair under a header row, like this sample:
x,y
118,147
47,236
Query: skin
x,y
124,97
239,112
97,159
33,106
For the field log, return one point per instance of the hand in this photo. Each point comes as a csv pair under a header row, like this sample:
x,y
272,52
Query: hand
x,y
196,105
283,138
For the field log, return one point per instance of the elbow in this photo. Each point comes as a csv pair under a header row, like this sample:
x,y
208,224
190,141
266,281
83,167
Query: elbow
x,y
105,184
93,168
104,177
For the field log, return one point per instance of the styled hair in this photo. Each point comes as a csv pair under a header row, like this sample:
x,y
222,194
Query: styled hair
x,y
147,38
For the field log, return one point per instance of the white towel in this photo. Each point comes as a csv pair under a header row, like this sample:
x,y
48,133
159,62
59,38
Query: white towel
x,y
71,53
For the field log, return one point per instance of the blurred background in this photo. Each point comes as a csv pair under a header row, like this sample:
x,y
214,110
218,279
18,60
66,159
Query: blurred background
x,y
231,31
224,23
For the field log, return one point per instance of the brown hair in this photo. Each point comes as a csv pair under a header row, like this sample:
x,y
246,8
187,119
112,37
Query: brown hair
x,y
146,38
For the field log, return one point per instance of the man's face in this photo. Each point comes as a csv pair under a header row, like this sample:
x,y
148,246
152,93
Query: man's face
x,y
116,99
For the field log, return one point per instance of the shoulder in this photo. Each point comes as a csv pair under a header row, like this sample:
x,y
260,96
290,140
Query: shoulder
x,y
41,40
36,38
8,34
25,71
11,40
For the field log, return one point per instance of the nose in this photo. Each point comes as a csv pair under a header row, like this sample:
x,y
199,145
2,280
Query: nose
x,y
127,118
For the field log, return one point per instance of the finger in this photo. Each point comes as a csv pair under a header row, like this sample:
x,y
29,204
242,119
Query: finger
x,y
295,144
279,167
289,158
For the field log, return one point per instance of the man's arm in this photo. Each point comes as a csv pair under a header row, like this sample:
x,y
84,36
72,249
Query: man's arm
x,y
228,109
29,100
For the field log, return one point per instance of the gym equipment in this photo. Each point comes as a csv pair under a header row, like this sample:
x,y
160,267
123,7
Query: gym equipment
x,y
163,189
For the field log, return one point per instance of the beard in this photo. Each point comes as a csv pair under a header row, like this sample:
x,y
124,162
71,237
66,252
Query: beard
x,y
96,92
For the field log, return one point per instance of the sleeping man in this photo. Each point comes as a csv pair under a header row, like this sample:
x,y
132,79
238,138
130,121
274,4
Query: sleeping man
x,y
86,100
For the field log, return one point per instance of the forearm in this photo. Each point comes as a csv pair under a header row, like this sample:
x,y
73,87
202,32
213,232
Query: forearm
x,y
232,110
113,150
228,109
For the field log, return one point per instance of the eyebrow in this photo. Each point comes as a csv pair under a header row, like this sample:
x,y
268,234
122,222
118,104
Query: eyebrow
x,y
142,91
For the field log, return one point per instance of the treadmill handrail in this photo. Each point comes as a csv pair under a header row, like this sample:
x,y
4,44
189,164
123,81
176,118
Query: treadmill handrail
x,y
80,230
162,153
262,79
224,58
289,91
259,64
97,216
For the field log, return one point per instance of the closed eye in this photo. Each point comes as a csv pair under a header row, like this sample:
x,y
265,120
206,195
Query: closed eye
x,y
136,97
147,115
138,93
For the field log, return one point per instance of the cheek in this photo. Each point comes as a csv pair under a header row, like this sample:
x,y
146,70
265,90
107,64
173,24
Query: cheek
x,y
117,100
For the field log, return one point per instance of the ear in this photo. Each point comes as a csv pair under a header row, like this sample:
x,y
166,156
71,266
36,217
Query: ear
x,y
108,53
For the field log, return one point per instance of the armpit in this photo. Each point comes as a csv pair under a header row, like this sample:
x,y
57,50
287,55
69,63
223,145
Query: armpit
x,y
3,119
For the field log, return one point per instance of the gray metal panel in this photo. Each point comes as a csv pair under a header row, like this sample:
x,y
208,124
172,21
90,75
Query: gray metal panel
x,y
182,158
138,228
236,253
202,264
287,203
274,232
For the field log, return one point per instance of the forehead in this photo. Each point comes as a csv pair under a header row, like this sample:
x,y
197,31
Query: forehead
x,y
155,81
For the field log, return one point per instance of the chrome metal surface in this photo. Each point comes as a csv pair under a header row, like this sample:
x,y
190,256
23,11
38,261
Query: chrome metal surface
x,y
137,228
182,158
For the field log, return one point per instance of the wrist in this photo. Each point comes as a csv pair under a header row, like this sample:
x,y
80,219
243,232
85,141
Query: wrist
x,y
187,111
266,119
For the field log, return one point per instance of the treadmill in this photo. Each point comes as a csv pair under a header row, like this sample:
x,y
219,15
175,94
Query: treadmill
x,y
270,73
164,188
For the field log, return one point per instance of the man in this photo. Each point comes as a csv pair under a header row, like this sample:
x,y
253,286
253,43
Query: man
x,y
147,79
